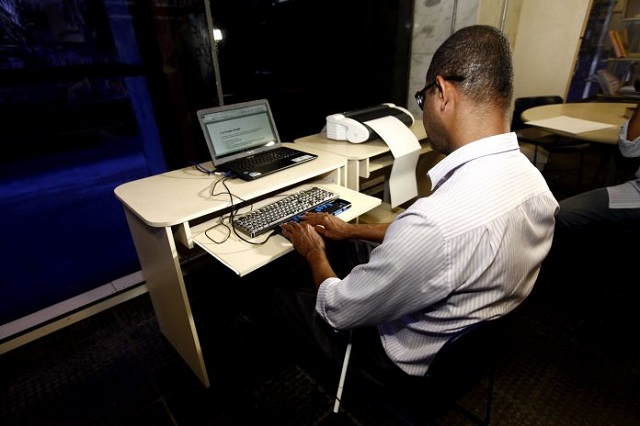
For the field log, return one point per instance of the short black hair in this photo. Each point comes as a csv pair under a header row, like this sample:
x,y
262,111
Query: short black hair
x,y
482,55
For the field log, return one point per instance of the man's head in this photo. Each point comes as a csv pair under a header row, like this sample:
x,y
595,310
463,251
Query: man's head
x,y
471,73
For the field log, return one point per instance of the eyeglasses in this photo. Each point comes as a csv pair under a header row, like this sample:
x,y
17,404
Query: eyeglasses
x,y
420,93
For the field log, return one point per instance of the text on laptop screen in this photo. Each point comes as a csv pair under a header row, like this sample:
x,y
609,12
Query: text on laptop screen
x,y
239,130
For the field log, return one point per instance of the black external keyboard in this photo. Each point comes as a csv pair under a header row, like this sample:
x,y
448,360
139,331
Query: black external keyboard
x,y
266,218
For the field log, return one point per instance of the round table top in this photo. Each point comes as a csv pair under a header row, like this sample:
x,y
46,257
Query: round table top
x,y
603,112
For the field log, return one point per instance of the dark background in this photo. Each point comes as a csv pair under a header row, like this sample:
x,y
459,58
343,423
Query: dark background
x,y
94,94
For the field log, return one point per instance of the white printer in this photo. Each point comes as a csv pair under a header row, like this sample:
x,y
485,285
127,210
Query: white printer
x,y
351,126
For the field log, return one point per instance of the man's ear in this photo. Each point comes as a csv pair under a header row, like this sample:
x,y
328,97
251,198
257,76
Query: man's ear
x,y
445,92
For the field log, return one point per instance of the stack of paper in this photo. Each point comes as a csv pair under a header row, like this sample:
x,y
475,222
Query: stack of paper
x,y
569,124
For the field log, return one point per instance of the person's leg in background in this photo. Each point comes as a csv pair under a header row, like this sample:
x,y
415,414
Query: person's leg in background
x,y
586,224
590,244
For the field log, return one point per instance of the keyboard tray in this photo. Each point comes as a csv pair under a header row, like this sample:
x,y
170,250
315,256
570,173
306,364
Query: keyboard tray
x,y
264,219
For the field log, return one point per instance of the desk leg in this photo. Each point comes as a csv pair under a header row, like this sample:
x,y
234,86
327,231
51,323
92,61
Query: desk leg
x,y
341,175
353,175
160,263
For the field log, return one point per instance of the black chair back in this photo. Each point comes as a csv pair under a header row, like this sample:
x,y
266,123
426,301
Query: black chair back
x,y
461,364
524,103
467,357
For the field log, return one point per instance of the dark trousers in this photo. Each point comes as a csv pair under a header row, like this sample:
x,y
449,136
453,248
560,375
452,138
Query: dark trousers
x,y
592,239
318,348
293,305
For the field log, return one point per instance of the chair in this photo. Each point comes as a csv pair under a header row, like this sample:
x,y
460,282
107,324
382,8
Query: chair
x,y
547,142
464,362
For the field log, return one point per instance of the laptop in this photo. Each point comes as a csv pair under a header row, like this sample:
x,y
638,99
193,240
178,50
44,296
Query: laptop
x,y
243,140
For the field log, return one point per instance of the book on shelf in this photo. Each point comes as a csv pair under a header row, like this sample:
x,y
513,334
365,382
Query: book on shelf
x,y
609,82
628,91
618,41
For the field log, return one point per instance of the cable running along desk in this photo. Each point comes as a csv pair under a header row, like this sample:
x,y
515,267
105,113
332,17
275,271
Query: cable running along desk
x,y
177,207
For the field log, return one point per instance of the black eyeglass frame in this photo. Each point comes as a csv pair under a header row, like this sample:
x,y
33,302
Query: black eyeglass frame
x,y
420,93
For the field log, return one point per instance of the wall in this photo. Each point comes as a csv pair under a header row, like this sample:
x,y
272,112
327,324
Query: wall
x,y
432,24
544,35
546,45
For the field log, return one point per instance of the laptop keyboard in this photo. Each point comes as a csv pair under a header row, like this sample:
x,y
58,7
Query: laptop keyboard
x,y
264,219
271,156
265,163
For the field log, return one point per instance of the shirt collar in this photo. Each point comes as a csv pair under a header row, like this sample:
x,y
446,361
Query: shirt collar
x,y
482,147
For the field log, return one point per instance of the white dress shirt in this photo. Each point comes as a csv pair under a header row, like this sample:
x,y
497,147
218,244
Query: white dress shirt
x,y
470,251
626,195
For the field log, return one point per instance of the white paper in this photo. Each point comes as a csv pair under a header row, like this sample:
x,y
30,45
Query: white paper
x,y
405,148
569,124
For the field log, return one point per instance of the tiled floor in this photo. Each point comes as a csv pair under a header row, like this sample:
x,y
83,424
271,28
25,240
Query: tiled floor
x,y
574,359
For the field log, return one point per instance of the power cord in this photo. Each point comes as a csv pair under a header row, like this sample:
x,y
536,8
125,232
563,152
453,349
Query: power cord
x,y
199,167
232,212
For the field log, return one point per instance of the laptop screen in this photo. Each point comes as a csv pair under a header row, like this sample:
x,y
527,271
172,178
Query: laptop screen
x,y
238,130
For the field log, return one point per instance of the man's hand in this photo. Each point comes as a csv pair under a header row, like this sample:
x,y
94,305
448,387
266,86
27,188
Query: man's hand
x,y
328,225
633,130
311,246
304,238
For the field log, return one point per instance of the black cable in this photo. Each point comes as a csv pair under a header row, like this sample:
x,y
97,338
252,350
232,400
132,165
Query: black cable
x,y
220,223
199,167
232,212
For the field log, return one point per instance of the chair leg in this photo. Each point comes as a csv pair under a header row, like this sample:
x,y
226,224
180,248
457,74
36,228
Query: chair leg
x,y
487,409
487,417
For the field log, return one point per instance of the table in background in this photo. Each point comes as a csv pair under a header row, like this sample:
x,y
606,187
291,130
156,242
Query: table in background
x,y
614,113
602,112
169,213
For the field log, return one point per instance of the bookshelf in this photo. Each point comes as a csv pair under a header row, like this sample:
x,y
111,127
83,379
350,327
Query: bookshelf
x,y
623,43
593,51
632,8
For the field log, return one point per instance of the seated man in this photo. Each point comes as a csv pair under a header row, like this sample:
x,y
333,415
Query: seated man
x,y
470,251
613,208
595,228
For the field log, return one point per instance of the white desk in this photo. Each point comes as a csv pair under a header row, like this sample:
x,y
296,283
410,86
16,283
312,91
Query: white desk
x,y
368,165
364,158
177,207
613,113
